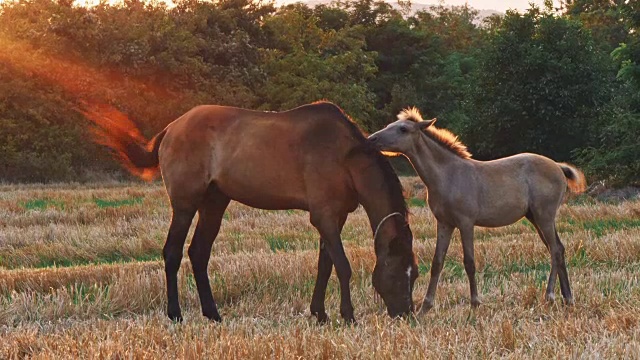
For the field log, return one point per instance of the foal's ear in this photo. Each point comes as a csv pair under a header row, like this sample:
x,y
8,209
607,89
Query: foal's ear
x,y
426,123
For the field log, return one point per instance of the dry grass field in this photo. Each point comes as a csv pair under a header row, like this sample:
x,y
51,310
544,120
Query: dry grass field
x,y
81,276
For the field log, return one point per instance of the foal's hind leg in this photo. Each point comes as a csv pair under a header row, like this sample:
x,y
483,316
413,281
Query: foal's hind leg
x,y
328,225
563,273
553,274
325,265
550,236
172,254
442,245
210,218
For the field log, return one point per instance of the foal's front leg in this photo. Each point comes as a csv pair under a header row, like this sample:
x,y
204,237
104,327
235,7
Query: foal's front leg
x,y
466,234
442,245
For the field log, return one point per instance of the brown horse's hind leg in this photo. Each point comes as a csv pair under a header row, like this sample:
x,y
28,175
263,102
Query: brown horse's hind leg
x,y
325,265
442,245
210,218
172,254
466,234
328,226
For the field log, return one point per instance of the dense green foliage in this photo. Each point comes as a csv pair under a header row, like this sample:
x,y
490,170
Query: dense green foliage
x,y
564,84
541,86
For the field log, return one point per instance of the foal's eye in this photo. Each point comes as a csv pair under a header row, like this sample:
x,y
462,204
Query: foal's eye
x,y
403,129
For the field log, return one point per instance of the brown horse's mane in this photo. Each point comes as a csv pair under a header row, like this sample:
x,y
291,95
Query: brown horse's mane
x,y
365,146
443,137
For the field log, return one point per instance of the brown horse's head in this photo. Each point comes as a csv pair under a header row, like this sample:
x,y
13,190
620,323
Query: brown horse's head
x,y
396,270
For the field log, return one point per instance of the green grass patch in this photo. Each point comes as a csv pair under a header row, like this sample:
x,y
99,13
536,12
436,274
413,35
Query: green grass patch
x,y
305,289
111,258
423,268
603,226
278,244
81,294
41,204
579,259
528,224
451,269
610,288
191,282
101,203
416,202
490,271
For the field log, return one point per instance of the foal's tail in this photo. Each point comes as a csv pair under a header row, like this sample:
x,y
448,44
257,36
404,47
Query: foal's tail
x,y
116,131
575,178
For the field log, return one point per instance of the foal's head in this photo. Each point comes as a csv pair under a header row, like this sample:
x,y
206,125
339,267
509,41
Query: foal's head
x,y
401,135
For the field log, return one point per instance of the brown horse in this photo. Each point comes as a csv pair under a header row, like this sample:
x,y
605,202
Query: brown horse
x,y
312,158
464,192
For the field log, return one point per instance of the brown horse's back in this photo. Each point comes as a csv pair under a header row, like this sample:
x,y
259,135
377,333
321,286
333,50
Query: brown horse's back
x,y
264,160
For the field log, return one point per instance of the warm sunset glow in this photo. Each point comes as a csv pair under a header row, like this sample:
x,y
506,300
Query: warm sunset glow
x,y
498,5
86,85
90,3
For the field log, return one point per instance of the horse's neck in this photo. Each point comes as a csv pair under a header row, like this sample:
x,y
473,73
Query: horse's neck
x,y
434,163
377,196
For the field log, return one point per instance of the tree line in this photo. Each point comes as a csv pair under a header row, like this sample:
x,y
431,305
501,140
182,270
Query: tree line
x,y
564,82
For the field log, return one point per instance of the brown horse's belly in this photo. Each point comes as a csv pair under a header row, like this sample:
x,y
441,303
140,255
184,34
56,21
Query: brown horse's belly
x,y
272,203
265,194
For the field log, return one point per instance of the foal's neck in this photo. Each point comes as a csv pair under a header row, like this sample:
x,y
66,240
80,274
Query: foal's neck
x,y
433,162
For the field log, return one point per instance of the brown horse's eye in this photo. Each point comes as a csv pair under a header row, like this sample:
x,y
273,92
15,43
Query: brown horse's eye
x,y
403,129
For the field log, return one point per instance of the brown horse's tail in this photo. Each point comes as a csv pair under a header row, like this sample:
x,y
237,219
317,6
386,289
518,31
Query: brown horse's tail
x,y
575,178
120,134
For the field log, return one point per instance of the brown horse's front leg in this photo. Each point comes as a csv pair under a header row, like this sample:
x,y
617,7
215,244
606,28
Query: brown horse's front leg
x,y
442,245
343,269
172,254
329,228
325,265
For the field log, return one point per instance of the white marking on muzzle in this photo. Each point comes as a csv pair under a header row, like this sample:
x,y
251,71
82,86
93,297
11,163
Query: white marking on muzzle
x,y
409,279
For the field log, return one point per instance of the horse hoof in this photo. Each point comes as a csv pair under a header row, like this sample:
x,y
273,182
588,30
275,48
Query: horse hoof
x,y
348,316
551,297
475,303
322,317
213,317
569,302
351,321
426,306
176,318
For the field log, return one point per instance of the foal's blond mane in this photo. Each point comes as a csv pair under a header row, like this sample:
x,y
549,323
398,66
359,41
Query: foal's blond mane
x,y
443,137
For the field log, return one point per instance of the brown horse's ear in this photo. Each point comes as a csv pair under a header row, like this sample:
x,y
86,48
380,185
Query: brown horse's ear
x,y
426,123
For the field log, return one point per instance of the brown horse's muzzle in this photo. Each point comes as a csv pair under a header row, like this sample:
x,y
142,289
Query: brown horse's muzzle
x,y
400,309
